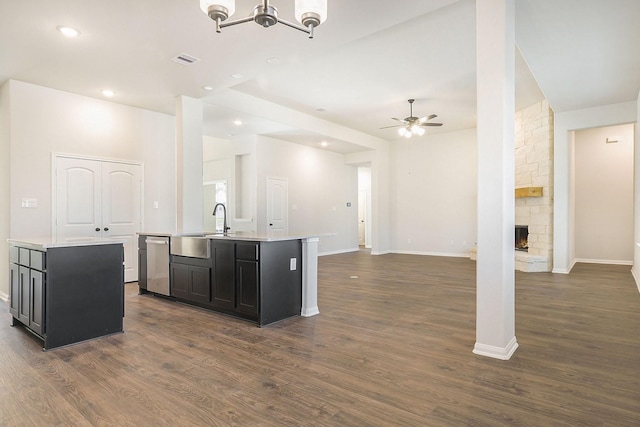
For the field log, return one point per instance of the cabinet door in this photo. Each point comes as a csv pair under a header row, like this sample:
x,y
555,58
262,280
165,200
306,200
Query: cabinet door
x,y
14,289
25,297
36,312
248,286
179,280
223,281
199,284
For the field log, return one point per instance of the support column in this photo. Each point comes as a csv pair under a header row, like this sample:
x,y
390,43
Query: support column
x,y
495,296
309,277
189,164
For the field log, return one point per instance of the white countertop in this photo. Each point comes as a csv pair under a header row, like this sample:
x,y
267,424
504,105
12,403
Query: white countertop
x,y
43,244
257,237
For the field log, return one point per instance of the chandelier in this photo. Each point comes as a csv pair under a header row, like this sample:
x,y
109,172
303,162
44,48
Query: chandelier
x,y
309,13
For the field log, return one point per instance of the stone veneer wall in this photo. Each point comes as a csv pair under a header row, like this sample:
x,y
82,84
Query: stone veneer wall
x,y
534,168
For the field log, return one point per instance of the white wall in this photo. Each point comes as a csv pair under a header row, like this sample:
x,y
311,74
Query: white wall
x,y
564,124
604,195
434,194
45,120
5,140
320,185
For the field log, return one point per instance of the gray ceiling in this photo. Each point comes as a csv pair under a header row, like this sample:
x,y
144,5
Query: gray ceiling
x,y
358,72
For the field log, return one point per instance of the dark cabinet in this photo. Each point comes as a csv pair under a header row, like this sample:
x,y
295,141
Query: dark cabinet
x,y
248,278
36,309
247,282
190,282
179,279
223,281
14,289
24,295
67,294
27,287
255,280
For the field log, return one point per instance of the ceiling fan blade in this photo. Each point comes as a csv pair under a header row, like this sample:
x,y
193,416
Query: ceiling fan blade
x,y
399,120
394,126
429,117
430,124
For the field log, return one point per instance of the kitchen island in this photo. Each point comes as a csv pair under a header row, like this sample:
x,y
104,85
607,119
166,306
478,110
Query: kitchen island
x,y
256,277
66,292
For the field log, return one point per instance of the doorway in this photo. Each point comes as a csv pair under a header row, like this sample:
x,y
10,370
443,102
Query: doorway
x,y
364,207
603,195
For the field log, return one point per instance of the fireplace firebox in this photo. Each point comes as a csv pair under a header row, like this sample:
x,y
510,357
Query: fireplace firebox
x,y
522,238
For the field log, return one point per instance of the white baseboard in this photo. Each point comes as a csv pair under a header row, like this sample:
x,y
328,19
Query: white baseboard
x,y
502,353
443,254
562,270
380,252
604,261
342,251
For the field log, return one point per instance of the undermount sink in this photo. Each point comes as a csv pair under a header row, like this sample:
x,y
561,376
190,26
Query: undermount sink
x,y
190,245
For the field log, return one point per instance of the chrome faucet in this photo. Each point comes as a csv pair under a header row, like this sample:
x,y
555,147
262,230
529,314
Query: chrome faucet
x,y
224,211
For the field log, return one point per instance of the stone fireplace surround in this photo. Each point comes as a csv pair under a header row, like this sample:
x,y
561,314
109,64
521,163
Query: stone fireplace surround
x,y
534,169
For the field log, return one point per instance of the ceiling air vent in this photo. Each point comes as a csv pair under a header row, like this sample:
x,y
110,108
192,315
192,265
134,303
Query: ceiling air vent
x,y
185,59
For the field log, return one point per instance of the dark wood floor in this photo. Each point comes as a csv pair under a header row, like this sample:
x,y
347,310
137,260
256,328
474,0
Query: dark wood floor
x,y
391,347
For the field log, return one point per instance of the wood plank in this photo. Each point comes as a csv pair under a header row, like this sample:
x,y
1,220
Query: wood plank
x,y
392,347
528,192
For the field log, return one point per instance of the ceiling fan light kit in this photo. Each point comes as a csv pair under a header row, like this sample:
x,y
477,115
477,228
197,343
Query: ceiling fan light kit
x,y
412,125
309,13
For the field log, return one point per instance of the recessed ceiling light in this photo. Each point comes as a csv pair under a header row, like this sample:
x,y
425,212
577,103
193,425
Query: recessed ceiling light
x,y
108,93
273,61
68,31
324,143
237,122
207,87
236,75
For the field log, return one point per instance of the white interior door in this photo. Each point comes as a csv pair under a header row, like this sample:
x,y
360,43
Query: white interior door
x,y
277,206
121,188
97,200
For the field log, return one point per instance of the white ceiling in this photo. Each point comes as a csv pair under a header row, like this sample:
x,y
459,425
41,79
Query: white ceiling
x,y
364,63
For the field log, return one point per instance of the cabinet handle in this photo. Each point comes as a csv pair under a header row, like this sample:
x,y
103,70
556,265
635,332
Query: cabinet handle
x,y
106,229
97,228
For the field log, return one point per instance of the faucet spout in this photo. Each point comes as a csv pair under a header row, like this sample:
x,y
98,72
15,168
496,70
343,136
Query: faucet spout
x,y
225,228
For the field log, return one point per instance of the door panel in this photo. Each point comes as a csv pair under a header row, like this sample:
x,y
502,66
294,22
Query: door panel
x,y
277,206
121,194
78,202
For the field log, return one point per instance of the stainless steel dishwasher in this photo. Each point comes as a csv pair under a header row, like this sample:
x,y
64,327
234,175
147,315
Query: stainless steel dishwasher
x,y
158,265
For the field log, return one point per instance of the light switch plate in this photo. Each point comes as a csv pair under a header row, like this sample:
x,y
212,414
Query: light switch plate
x,y
292,264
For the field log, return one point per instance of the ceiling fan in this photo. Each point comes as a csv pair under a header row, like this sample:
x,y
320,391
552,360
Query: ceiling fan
x,y
412,125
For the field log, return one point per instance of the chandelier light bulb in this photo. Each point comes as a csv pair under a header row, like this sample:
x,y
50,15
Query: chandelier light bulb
x,y
222,9
311,12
